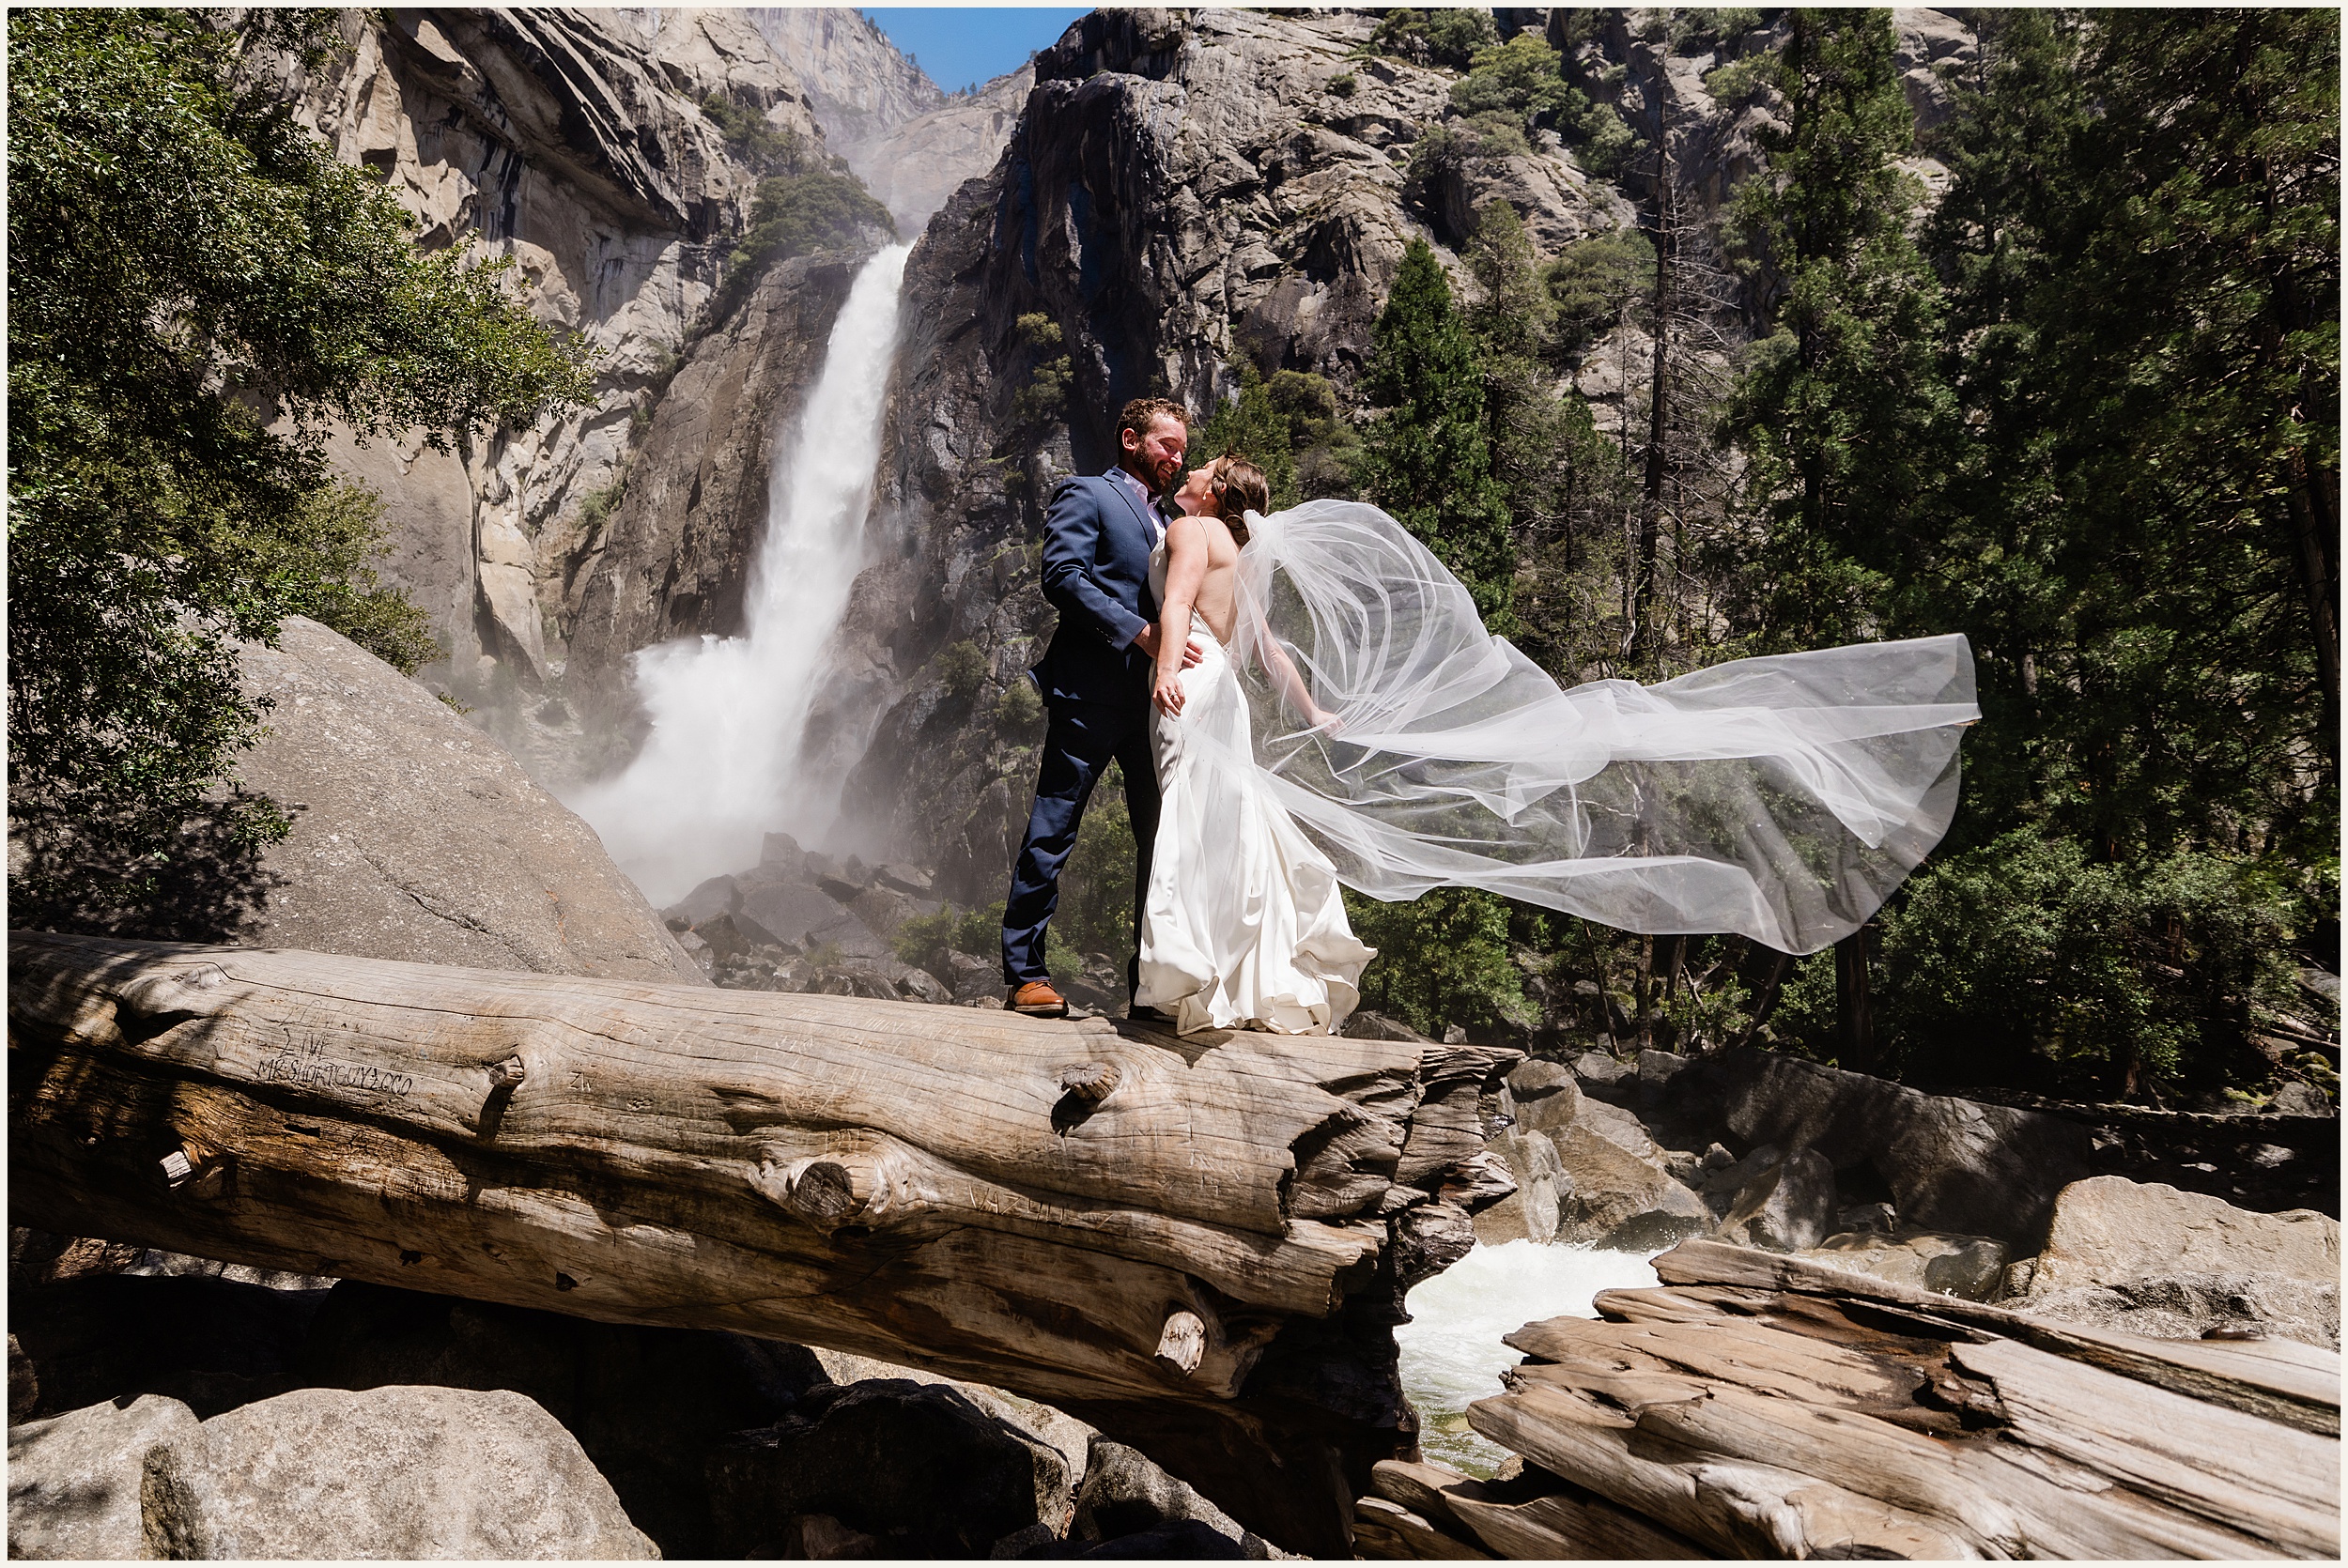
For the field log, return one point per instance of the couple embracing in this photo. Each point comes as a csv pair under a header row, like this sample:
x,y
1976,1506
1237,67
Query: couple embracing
x,y
1238,922
1310,698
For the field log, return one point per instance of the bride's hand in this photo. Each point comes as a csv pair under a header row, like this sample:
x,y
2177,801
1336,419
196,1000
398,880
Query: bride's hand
x,y
1168,695
1326,722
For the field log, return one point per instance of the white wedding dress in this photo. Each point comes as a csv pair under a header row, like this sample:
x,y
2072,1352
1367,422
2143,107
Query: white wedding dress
x,y
1243,926
1781,797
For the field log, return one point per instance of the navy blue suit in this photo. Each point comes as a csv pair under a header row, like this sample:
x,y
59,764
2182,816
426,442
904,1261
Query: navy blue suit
x,y
1097,539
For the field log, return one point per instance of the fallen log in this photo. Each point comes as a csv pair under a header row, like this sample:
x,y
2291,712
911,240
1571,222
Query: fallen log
x,y
1198,1244
1761,1406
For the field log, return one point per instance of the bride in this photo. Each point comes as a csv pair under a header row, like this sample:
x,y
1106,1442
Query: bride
x,y
1351,722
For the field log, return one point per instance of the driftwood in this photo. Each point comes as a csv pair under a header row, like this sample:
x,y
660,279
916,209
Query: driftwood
x,y
1761,1406
1199,1245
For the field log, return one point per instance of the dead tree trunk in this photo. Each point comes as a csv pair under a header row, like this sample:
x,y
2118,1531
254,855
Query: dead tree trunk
x,y
1199,1245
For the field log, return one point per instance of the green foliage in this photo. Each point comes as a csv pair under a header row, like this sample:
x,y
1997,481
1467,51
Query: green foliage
x,y
768,149
1739,82
1450,36
963,668
1518,79
1602,139
796,215
1426,458
1250,426
925,940
338,536
1043,401
1342,84
1443,958
1324,444
196,291
1843,407
1697,28
1019,712
1096,886
1592,282
2024,961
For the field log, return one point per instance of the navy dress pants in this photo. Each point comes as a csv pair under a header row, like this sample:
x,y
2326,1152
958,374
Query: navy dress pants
x,y
1082,740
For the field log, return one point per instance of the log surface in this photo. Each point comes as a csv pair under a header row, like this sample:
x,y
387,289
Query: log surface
x,y
1198,1244
1758,1406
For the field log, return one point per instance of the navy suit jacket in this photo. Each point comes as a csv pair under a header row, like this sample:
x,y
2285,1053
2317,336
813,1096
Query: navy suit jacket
x,y
1096,574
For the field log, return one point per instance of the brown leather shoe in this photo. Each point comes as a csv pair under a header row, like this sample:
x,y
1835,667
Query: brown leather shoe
x,y
1037,1000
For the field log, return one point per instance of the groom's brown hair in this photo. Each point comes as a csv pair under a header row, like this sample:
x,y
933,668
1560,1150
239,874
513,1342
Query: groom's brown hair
x,y
1143,412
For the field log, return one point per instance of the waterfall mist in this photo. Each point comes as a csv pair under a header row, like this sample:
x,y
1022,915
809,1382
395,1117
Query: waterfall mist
x,y
723,765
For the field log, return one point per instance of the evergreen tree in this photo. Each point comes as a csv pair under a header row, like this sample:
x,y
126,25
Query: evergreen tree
x,y
1427,458
1841,405
1250,426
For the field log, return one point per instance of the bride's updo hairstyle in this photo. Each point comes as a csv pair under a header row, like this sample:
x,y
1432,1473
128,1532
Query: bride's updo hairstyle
x,y
1238,488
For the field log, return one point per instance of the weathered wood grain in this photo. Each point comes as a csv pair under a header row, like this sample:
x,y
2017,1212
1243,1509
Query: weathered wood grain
x,y
1779,1408
2298,1387
1105,1221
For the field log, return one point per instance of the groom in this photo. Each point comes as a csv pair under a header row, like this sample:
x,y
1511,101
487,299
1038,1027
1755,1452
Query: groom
x,y
1098,534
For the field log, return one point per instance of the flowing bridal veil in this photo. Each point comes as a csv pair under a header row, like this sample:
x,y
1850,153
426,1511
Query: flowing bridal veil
x,y
1784,797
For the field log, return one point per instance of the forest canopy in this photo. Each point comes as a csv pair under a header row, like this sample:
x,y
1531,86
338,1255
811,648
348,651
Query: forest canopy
x,y
2081,407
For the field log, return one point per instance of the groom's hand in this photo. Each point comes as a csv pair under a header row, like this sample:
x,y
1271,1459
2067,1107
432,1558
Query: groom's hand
x,y
1146,641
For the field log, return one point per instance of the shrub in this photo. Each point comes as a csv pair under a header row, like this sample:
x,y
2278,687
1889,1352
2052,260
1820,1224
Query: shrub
x,y
1518,79
751,137
1702,26
1448,38
1342,86
1443,958
1592,278
1738,82
1044,400
962,669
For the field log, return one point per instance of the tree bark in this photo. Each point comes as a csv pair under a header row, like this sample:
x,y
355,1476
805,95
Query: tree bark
x,y
1854,1004
1198,1244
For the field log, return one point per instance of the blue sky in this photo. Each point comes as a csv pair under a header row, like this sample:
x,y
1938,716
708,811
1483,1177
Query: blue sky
x,y
961,46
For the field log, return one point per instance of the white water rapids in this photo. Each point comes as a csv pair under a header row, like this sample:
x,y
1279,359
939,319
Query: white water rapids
x,y
1451,1350
723,764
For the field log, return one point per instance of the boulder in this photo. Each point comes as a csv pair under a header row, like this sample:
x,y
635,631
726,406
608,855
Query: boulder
x,y
1949,1164
1970,1267
1598,1066
648,1405
1787,1207
1126,1495
1609,1196
848,937
2195,1305
1363,1024
789,909
1177,1540
73,1479
1542,1097
415,836
922,1469
2109,1229
393,1472
717,895
1530,1212
1063,1433
2300,1100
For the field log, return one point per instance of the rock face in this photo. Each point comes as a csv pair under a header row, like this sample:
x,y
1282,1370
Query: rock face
x,y
1184,191
1949,1164
915,166
575,143
398,1472
2196,1305
858,86
418,838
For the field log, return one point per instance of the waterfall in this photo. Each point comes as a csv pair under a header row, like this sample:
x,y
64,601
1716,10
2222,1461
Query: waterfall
x,y
723,765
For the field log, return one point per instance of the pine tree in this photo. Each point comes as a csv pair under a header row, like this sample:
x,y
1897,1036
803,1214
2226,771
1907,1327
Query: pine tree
x,y
1249,426
1842,405
1427,458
